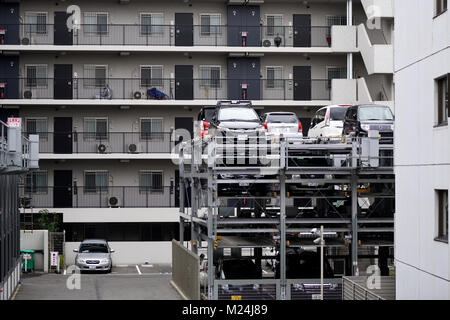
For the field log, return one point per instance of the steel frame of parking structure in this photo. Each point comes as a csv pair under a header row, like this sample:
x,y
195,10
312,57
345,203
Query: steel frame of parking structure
x,y
354,167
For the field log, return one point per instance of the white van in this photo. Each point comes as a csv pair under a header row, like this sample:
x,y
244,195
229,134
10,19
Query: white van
x,y
328,122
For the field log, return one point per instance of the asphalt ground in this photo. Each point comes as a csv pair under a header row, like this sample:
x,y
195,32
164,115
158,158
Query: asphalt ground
x,y
143,282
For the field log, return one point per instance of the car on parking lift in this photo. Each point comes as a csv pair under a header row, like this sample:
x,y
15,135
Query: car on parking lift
x,y
283,124
360,119
94,255
328,122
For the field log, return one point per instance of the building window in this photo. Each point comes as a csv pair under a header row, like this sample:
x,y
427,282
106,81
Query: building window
x,y
152,76
210,77
335,21
36,182
95,76
36,76
95,181
96,23
96,128
274,25
152,23
442,203
152,129
441,6
150,181
37,126
336,73
35,22
274,76
442,100
210,24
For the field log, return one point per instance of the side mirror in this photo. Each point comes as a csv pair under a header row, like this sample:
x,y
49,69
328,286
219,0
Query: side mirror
x,y
75,250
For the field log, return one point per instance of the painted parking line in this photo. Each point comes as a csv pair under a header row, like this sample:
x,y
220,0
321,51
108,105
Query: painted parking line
x,y
138,270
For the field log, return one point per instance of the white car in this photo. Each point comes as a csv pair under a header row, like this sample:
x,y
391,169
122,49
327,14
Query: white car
x,y
328,122
284,124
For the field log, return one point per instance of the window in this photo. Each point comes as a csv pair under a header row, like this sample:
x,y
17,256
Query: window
x,y
36,22
152,129
152,76
335,21
274,25
442,203
37,126
95,76
150,181
152,23
36,182
336,73
96,23
210,77
36,76
210,24
96,128
442,100
274,78
441,6
95,181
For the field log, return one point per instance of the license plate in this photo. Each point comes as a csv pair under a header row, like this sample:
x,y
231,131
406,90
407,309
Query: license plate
x,y
313,184
244,184
92,267
242,137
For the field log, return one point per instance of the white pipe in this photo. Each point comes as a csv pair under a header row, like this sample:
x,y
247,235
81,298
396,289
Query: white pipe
x,y
349,55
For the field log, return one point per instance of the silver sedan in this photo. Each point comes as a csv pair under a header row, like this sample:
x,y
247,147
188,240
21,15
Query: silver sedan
x,y
94,255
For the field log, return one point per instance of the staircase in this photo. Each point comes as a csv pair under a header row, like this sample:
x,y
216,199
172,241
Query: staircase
x,y
378,58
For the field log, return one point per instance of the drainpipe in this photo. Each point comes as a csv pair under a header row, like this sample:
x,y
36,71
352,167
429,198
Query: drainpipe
x,y
349,55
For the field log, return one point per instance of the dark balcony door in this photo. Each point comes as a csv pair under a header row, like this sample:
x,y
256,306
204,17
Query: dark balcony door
x,y
302,83
184,82
244,19
62,34
184,29
62,189
9,21
302,30
62,139
244,79
186,123
62,82
9,76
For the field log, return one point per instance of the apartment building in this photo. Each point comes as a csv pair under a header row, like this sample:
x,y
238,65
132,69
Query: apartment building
x,y
422,68
110,96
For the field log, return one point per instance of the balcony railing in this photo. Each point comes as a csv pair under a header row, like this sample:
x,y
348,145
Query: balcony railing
x,y
105,142
167,89
169,35
92,197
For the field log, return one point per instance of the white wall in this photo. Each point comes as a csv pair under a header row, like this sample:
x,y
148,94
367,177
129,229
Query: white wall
x,y
36,240
129,253
422,155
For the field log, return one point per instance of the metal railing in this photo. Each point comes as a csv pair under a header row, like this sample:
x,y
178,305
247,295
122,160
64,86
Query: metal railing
x,y
170,89
107,142
354,291
97,197
169,35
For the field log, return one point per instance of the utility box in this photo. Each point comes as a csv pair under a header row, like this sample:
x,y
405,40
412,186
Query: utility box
x,y
27,260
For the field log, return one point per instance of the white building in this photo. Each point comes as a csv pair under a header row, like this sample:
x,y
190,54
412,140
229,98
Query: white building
x,y
422,67
195,52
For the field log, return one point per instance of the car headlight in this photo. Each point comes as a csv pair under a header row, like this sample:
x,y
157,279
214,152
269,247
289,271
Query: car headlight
x,y
104,261
365,127
80,260
392,127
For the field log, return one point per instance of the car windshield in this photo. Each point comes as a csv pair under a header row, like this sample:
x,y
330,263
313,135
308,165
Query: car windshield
x,y
237,114
93,248
375,113
338,113
281,118
209,114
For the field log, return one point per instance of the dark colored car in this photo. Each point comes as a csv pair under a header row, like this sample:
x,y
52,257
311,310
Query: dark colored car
x,y
238,268
362,118
305,265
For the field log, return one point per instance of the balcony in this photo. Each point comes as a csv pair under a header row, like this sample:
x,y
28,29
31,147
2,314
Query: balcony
x,y
168,35
105,143
164,89
92,197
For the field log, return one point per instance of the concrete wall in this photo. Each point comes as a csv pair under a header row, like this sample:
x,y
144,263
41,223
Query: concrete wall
x,y
38,241
422,156
129,253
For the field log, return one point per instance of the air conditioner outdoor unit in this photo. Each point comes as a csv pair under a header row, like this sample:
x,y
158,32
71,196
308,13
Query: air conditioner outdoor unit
x,y
138,95
114,202
25,41
267,43
134,148
102,148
